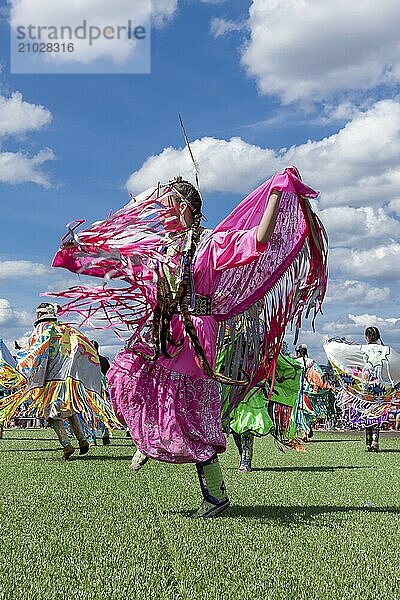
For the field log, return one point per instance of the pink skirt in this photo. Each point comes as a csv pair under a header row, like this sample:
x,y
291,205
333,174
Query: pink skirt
x,y
171,416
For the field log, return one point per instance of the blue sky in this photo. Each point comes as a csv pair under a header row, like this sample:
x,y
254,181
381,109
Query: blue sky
x,y
259,84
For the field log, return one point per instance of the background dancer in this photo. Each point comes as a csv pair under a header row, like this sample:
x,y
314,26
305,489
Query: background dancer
x,y
164,384
9,378
314,391
94,427
372,431
261,413
369,377
60,377
104,366
104,362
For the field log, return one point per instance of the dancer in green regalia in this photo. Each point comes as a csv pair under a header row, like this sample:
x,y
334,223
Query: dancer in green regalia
x,y
261,413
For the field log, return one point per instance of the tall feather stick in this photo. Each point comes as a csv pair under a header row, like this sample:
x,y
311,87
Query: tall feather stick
x,y
195,163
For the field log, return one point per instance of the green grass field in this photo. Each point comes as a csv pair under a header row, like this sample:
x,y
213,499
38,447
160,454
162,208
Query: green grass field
x,y
298,527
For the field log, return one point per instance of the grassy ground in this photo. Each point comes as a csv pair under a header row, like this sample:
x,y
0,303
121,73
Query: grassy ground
x,y
319,525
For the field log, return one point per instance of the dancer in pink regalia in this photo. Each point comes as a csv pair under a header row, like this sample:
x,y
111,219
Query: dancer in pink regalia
x,y
260,268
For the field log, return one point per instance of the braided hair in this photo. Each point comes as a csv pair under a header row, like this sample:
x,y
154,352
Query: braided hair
x,y
373,335
168,304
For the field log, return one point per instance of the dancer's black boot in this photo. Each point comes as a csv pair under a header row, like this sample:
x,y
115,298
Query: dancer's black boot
x,y
215,498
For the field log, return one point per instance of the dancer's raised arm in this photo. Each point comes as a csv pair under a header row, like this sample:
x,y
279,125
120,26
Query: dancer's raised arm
x,y
268,222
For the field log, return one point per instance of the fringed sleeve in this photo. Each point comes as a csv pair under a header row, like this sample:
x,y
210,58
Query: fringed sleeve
x,y
271,287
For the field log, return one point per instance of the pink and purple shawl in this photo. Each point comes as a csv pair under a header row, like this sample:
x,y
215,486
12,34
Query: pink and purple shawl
x,y
258,300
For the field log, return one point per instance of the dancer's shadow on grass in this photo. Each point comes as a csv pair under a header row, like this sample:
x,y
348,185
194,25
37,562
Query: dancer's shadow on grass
x,y
29,449
74,457
11,438
331,441
287,515
294,515
89,457
127,445
102,457
388,450
325,469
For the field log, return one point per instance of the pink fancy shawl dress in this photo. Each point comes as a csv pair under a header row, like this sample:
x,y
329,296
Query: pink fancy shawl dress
x,y
171,408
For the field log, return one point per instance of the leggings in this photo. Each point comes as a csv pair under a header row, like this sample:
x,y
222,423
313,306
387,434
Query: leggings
x,y
58,426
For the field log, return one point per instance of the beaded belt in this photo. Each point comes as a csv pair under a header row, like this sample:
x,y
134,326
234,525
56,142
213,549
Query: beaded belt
x,y
203,306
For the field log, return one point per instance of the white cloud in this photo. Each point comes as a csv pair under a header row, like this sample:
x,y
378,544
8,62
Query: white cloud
x,y
100,13
16,167
367,320
109,344
58,281
221,27
394,206
379,262
310,50
161,11
360,164
313,340
355,292
329,329
357,166
359,227
21,269
225,166
344,111
10,317
17,116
